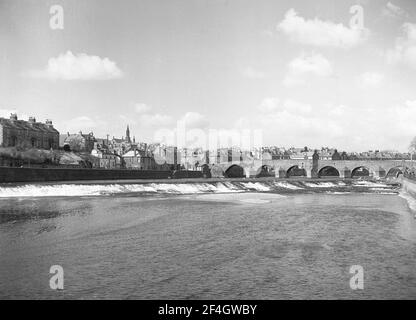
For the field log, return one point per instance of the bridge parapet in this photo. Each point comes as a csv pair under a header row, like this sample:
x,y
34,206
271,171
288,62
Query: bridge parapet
x,y
345,168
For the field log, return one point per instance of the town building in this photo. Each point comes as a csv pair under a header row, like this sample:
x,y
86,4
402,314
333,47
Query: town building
x,y
106,159
139,160
79,142
28,134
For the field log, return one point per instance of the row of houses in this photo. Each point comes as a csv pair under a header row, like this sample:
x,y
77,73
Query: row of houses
x,y
127,153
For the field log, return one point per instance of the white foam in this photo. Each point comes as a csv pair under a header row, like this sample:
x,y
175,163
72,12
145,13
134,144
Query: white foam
x,y
67,190
320,185
256,186
337,192
74,190
286,185
364,183
382,189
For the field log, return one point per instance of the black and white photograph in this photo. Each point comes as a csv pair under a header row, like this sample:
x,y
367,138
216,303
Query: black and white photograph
x,y
226,151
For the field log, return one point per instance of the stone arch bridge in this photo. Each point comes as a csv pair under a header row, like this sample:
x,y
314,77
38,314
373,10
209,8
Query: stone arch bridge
x,y
312,168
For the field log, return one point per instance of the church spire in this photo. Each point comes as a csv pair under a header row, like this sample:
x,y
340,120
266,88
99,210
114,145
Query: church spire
x,y
128,134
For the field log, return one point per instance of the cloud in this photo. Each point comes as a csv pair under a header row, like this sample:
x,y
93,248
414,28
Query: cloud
x,y
268,105
370,79
155,120
194,120
68,66
272,105
320,33
393,11
411,104
5,113
304,66
355,128
404,51
251,73
142,108
82,123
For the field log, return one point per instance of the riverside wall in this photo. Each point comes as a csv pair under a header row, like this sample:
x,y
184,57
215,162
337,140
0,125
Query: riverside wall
x,y
13,174
409,185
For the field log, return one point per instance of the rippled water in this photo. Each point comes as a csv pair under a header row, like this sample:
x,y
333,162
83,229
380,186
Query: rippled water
x,y
293,241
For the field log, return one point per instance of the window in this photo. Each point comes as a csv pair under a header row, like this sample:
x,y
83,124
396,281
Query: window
x,y
13,141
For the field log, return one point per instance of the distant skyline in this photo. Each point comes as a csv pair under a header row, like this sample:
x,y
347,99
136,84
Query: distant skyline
x,y
294,69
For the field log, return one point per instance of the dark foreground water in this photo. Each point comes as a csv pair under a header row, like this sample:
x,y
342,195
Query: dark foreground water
x,y
235,244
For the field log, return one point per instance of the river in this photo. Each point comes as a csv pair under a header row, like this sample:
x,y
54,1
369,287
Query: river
x,y
274,240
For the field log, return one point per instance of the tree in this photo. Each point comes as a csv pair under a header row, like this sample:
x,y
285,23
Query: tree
x,y
412,147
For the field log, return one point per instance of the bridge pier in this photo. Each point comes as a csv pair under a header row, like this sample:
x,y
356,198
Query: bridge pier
x,y
380,173
250,172
345,173
281,173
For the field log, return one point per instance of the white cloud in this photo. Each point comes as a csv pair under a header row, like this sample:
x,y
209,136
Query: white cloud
x,y
272,105
304,66
148,119
296,107
68,66
370,79
5,113
411,104
142,108
268,105
251,73
82,123
194,120
155,120
393,11
353,127
320,33
404,51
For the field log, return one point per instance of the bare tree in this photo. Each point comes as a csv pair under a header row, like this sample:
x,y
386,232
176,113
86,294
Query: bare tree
x,y
412,147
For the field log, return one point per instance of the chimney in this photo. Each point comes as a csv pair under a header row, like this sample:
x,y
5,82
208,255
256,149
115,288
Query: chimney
x,y
48,122
32,119
13,116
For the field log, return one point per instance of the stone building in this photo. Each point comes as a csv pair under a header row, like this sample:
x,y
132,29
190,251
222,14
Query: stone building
x,y
106,159
80,142
138,159
28,134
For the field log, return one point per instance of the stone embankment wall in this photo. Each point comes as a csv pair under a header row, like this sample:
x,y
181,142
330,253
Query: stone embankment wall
x,y
12,174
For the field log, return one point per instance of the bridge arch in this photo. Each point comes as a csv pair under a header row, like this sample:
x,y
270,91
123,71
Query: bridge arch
x,y
295,171
234,171
395,172
217,171
361,171
328,171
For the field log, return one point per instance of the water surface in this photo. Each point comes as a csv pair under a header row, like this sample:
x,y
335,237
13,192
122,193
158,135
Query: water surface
x,y
241,244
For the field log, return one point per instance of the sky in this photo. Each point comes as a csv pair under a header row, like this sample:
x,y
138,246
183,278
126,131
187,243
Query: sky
x,y
303,73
